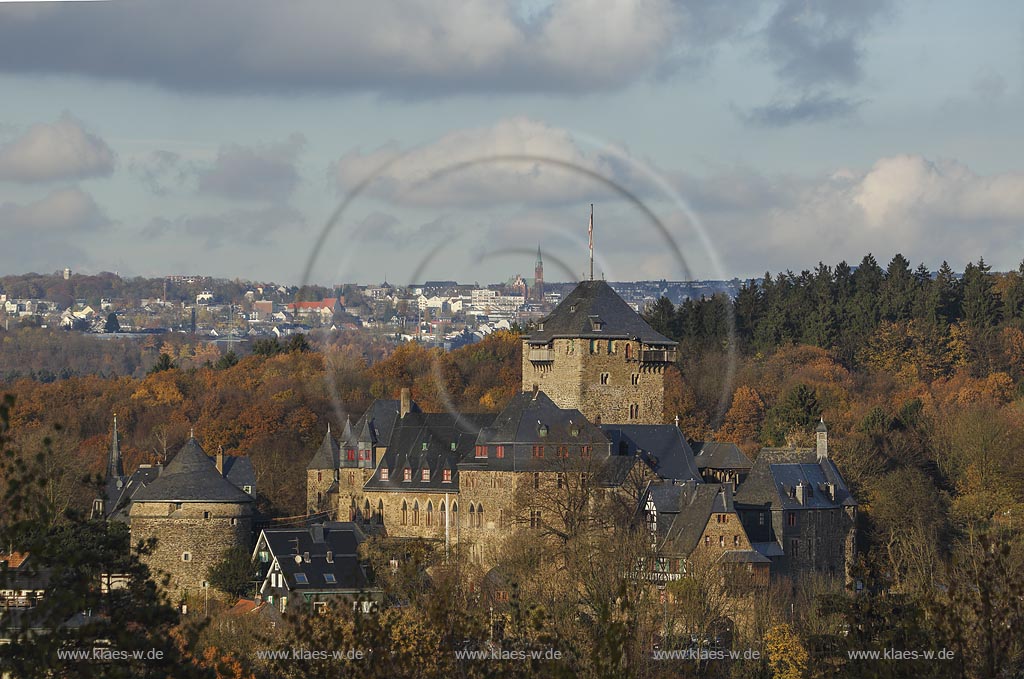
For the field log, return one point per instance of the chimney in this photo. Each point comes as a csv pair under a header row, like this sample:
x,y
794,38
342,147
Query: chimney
x,y
822,440
406,402
800,490
220,460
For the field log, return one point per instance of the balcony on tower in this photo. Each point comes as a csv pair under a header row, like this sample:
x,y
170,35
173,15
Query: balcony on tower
x,y
541,355
658,355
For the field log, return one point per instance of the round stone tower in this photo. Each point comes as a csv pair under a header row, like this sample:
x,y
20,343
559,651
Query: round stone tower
x,y
195,514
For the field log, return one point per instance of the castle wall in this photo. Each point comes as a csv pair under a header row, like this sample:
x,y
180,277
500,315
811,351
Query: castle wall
x,y
597,378
202,530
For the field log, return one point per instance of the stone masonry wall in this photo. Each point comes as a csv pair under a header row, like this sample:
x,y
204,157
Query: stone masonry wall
x,y
600,383
185,530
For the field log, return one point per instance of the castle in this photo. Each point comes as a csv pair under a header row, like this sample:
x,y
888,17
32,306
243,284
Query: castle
x,y
590,417
587,427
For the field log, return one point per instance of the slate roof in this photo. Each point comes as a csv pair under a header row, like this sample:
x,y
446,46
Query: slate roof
x,y
777,471
661,446
431,441
117,509
715,455
593,302
328,455
191,476
341,539
239,471
684,510
743,556
532,418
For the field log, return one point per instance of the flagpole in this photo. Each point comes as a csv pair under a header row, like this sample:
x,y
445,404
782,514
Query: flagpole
x,y
591,233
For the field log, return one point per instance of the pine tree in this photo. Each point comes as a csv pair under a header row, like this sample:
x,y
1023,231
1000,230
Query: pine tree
x,y
1013,300
896,296
948,296
981,305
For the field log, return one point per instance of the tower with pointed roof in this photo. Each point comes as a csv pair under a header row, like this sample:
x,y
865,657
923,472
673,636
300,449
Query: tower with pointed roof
x,y
113,481
195,514
538,278
596,354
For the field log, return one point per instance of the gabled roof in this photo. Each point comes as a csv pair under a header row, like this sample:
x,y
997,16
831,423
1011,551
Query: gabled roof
x,y
715,455
430,441
773,479
661,446
311,545
532,418
239,471
684,510
117,508
191,476
594,310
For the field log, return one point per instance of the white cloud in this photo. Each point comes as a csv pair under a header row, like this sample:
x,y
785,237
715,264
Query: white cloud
x,y
406,47
517,160
264,173
929,210
64,210
55,151
239,228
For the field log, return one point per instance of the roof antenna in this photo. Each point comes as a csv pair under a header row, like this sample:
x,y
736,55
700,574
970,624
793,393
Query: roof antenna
x,y
590,233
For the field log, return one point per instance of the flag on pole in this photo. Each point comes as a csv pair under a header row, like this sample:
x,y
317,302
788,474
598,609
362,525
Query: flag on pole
x,y
590,233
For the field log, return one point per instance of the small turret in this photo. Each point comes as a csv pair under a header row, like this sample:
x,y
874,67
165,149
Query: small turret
x,y
822,440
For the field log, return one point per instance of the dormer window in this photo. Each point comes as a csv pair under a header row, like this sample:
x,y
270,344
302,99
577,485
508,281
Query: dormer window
x,y
446,477
425,475
423,446
383,473
407,474
542,430
350,454
480,452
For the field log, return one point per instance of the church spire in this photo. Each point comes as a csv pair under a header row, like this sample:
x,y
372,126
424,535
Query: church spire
x,y
115,468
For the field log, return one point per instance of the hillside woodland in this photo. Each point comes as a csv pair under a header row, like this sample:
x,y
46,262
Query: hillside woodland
x,y
919,377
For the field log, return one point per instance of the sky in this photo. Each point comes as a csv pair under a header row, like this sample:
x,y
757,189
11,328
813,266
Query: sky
x,y
404,140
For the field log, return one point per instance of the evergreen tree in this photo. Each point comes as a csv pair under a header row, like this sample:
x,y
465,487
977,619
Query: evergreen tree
x,y
1013,300
822,329
795,414
112,324
747,310
981,304
661,315
896,295
948,297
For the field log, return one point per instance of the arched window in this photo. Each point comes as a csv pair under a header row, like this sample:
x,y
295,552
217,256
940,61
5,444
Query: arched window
x,y
366,511
416,513
455,510
443,517
352,510
472,515
629,351
479,516
405,513
430,514
380,511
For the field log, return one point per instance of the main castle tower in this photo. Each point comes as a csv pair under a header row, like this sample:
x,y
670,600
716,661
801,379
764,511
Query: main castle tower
x,y
595,354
